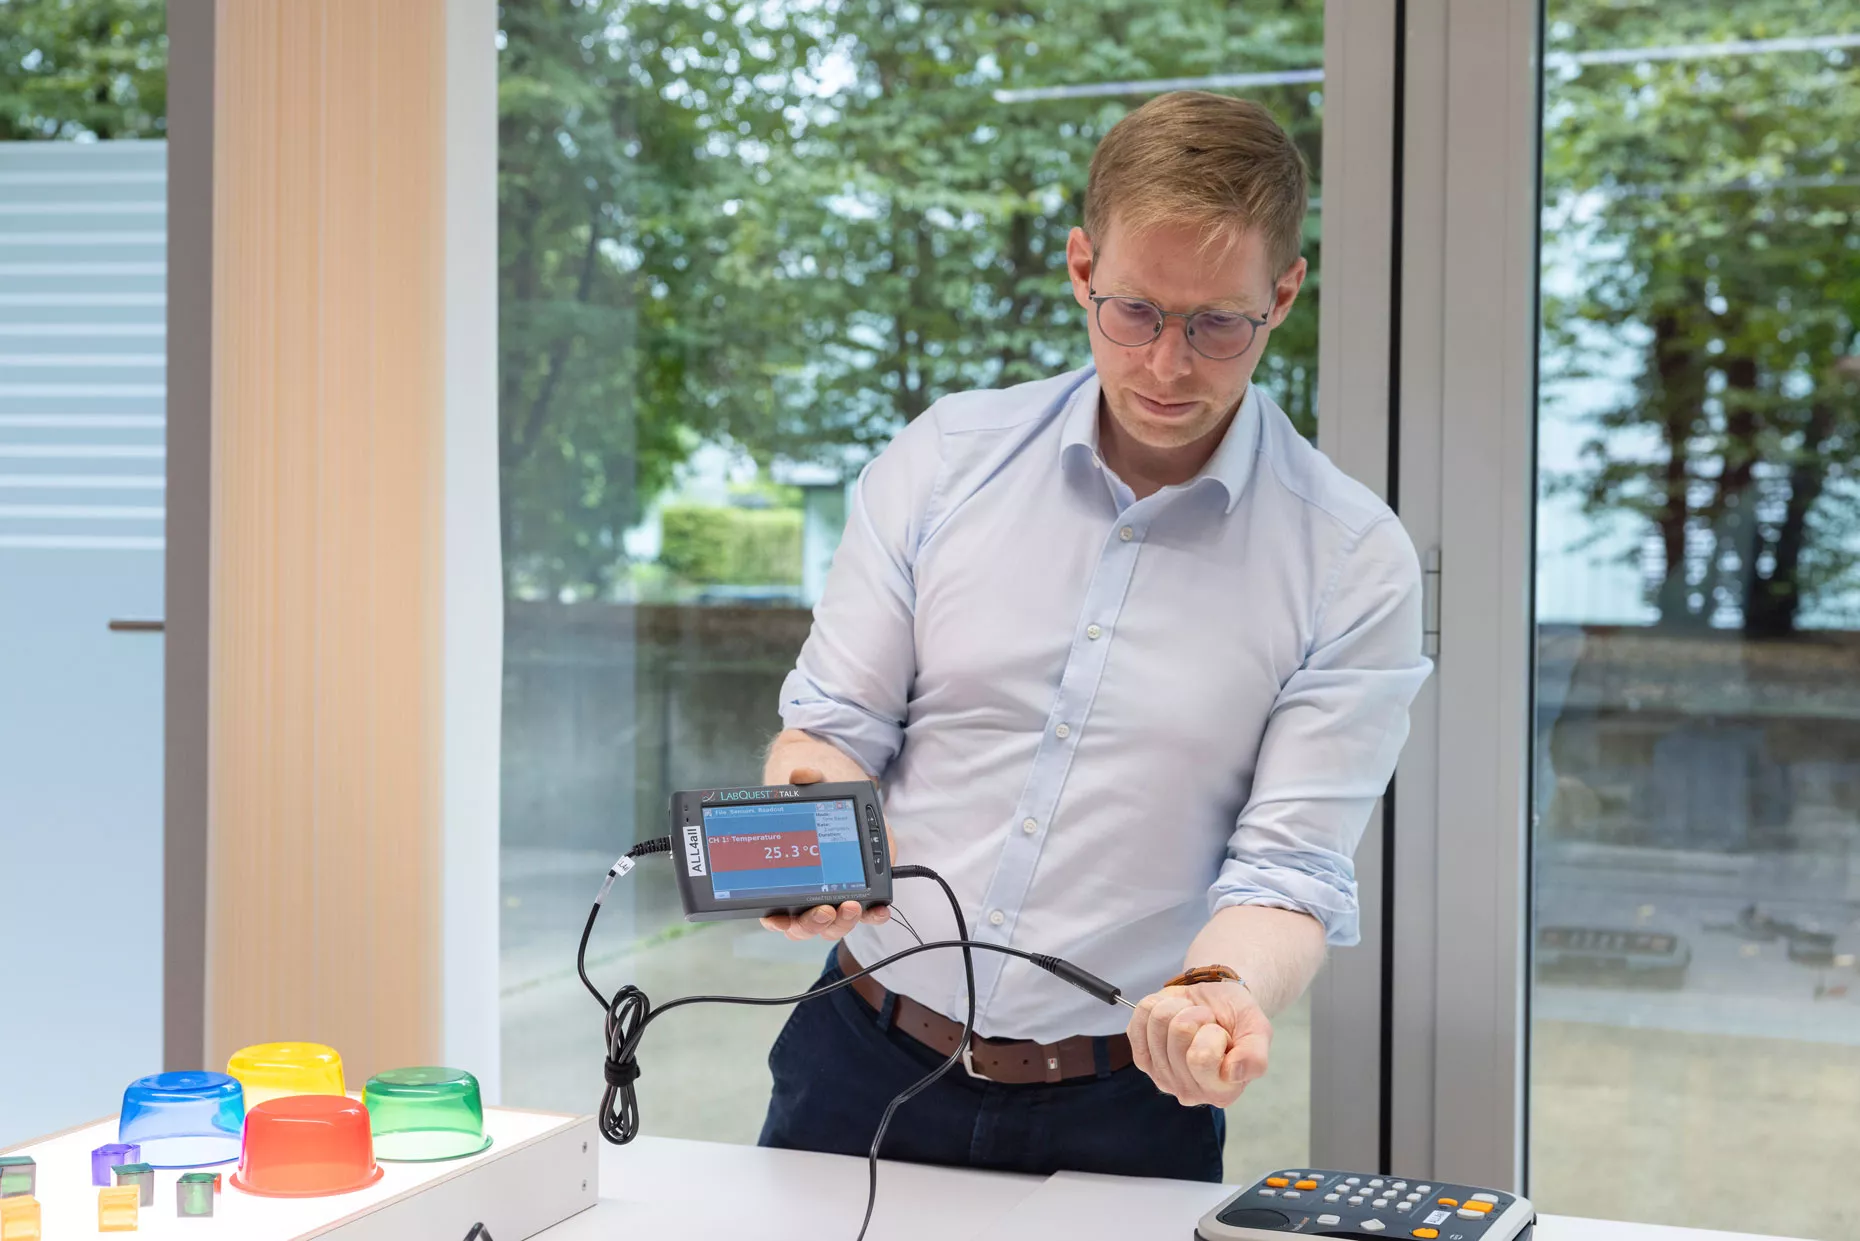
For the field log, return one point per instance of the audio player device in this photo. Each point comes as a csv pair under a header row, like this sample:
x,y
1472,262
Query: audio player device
x,y
1365,1206
743,853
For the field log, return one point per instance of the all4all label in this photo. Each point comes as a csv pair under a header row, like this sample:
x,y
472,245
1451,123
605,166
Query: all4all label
x,y
694,849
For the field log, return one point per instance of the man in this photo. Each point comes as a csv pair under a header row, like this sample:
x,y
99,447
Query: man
x,y
1131,662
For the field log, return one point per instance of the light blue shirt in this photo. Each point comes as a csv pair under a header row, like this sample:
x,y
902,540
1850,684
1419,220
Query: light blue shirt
x,y
1101,718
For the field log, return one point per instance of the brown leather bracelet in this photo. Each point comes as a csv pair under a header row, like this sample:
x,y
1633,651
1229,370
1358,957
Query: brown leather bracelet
x,y
1205,973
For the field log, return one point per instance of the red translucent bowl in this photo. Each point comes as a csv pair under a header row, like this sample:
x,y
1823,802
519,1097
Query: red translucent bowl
x,y
306,1146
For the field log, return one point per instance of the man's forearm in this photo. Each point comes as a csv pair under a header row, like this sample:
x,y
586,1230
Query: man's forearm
x,y
794,749
1277,951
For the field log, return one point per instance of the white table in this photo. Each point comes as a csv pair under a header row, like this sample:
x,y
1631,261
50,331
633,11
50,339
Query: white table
x,y
668,1187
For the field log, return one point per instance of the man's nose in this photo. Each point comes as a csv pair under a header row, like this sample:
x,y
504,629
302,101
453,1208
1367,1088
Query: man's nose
x,y
1171,356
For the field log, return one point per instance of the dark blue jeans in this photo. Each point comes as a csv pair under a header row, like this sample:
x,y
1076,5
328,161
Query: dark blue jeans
x,y
837,1065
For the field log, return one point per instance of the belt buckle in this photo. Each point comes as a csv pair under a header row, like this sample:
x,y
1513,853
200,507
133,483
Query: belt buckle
x,y
968,1061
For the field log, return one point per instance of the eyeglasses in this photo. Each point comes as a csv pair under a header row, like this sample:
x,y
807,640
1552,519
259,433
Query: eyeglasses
x,y
1133,322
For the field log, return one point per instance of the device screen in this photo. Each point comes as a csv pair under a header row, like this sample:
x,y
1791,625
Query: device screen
x,y
784,850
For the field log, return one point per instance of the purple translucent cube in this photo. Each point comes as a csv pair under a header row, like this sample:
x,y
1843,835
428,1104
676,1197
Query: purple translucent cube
x,y
105,1158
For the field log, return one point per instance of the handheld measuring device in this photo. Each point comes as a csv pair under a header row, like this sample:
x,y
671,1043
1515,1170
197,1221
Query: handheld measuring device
x,y
1363,1206
785,848
747,852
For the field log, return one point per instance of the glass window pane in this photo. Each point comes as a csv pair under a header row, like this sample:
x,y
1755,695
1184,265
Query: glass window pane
x,y
741,246
1695,1012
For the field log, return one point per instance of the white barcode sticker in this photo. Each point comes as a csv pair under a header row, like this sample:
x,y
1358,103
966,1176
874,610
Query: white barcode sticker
x,y
1438,1218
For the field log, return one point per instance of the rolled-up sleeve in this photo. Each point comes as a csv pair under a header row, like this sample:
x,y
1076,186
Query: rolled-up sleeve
x,y
852,683
1331,741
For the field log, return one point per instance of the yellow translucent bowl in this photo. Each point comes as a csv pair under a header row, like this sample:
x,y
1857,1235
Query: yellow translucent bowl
x,y
274,1070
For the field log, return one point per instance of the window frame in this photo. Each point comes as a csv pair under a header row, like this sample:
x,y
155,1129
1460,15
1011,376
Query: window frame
x,y
1467,359
1356,426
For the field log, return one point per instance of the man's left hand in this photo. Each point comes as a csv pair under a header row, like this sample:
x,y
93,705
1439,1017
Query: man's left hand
x,y
1203,1043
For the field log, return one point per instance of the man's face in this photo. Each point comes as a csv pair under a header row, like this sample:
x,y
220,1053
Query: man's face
x,y
1165,395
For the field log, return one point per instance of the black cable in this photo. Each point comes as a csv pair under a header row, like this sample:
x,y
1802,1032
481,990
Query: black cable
x,y
906,923
962,1044
629,1012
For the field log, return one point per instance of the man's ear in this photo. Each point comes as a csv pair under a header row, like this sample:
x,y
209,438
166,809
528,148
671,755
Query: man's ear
x,y
1078,266
1285,291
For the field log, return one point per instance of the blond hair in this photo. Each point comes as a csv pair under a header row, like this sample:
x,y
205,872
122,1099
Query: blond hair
x,y
1213,161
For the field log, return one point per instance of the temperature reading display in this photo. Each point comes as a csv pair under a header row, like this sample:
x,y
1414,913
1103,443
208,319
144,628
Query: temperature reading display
x,y
796,849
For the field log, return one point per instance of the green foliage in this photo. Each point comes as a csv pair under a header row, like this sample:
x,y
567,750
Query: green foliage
x,y
793,227
713,545
83,68
762,493
1714,198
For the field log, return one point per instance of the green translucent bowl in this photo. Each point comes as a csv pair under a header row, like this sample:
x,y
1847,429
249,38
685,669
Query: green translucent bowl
x,y
425,1115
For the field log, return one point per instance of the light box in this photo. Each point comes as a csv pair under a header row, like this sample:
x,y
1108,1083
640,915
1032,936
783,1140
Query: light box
x,y
538,1171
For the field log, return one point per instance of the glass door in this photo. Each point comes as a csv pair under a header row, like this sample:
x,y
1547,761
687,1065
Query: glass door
x,y
1694,1003
82,487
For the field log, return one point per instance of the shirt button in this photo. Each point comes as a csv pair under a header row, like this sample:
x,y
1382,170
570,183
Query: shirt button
x,y
1126,534
1093,632
1063,731
1029,826
997,917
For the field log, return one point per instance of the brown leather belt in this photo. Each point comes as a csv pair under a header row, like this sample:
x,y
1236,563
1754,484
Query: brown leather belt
x,y
1012,1062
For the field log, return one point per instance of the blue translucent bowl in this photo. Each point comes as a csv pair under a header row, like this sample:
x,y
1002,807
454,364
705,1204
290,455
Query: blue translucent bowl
x,y
183,1120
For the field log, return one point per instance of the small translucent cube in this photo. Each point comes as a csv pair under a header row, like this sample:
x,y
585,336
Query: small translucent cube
x,y
111,1156
140,1177
117,1208
19,1218
19,1176
193,1195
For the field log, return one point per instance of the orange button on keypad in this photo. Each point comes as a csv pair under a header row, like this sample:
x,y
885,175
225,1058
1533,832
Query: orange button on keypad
x,y
1481,1207
1448,1202
1307,1185
1277,1182
1427,1232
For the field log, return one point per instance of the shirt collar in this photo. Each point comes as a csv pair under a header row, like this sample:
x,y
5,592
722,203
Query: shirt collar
x,y
1231,465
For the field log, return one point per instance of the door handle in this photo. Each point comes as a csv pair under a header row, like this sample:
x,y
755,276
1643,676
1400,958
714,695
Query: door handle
x,y
137,626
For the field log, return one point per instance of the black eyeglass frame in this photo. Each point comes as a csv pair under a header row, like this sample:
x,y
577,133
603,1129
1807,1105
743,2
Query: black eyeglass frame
x,y
1187,317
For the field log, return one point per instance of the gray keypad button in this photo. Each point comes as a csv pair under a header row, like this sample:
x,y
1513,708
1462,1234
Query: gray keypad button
x,y
1491,1198
1373,1225
1329,1221
1463,1213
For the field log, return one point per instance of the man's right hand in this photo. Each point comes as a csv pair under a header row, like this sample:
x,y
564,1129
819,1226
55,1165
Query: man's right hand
x,y
823,921
826,922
